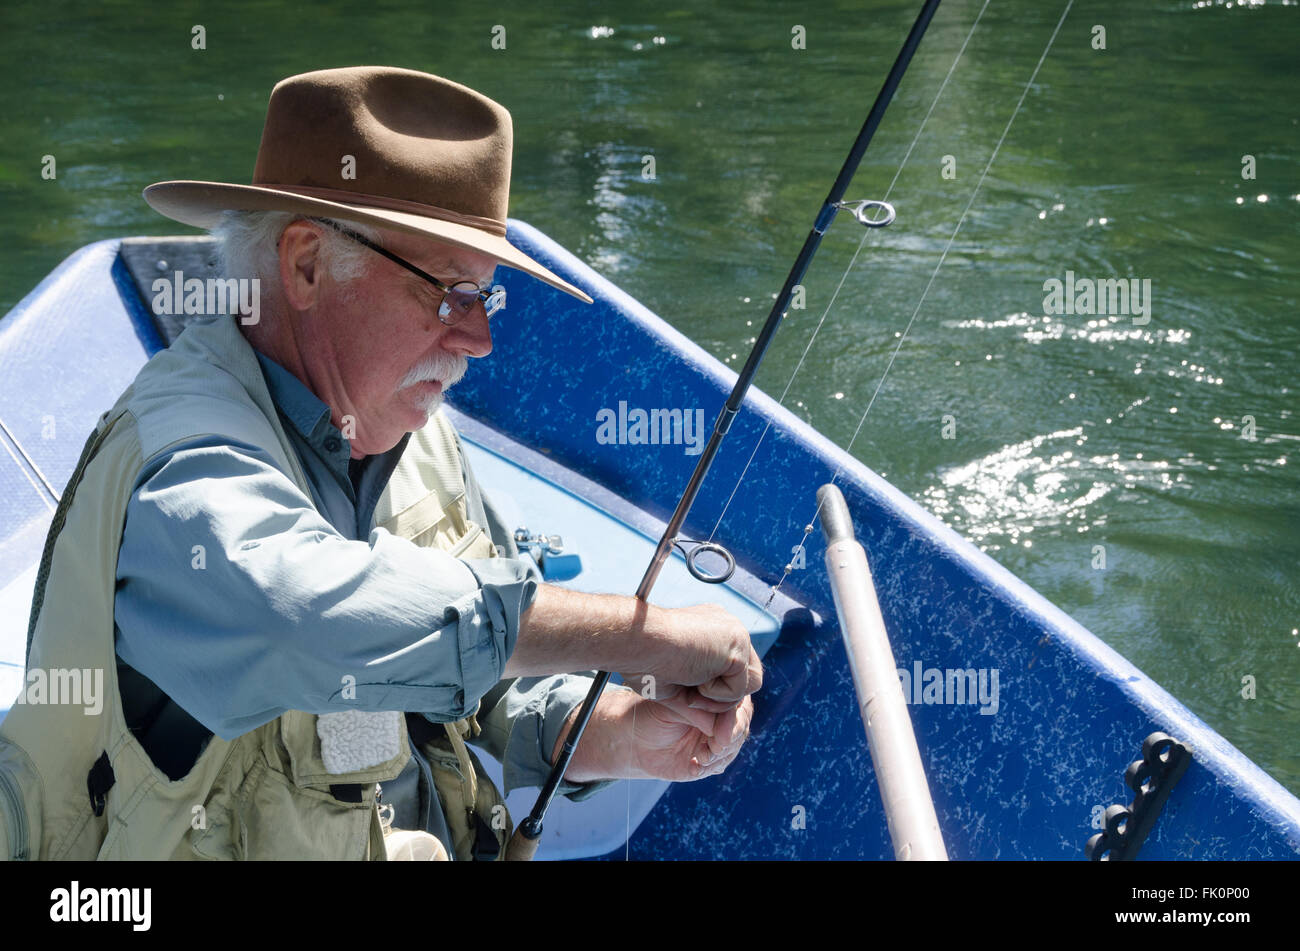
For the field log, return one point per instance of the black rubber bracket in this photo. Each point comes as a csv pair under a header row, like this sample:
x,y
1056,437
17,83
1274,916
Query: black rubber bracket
x,y
1152,778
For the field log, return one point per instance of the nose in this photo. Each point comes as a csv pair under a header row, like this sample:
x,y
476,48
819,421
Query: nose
x,y
471,335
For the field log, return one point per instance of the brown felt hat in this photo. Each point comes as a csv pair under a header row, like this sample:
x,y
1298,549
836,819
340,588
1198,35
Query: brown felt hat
x,y
427,156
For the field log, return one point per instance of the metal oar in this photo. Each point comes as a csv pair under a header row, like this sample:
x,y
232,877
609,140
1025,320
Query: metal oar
x,y
909,810
523,844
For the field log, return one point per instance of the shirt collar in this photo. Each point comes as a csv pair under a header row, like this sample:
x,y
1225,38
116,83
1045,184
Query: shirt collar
x,y
306,412
303,408
310,417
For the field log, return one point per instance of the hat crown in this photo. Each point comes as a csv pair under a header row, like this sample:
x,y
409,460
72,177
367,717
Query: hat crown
x,y
382,146
389,134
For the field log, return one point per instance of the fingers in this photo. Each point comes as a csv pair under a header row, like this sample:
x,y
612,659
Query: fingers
x,y
730,730
740,679
707,654
697,701
653,688
683,711
710,646
701,762
723,690
718,750
754,672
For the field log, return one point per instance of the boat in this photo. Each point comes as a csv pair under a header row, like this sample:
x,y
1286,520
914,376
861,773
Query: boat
x,y
1026,749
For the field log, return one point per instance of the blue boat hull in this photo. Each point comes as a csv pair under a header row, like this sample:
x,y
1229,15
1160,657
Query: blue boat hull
x,y
1024,777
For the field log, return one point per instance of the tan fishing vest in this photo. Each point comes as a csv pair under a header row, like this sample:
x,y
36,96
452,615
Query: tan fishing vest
x,y
263,795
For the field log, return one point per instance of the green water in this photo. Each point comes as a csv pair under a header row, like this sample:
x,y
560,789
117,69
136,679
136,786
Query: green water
x,y
1070,433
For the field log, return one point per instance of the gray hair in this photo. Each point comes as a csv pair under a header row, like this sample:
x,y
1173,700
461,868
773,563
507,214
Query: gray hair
x,y
248,243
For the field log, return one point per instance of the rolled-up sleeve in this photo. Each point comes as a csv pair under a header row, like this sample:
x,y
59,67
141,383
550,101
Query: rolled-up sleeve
x,y
241,602
521,722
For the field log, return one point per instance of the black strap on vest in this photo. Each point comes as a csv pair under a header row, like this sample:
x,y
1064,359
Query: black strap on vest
x,y
99,781
91,447
347,792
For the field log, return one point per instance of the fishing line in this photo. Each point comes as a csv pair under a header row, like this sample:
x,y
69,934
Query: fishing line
x,y
843,277
816,330
627,854
524,841
627,783
808,528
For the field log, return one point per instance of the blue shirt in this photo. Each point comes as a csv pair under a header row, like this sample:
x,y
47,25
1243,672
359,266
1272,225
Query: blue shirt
x,y
241,598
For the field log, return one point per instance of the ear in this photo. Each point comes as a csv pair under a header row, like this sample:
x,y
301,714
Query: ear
x,y
300,270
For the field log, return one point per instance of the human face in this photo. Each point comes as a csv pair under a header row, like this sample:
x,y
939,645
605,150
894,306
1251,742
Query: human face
x,y
392,357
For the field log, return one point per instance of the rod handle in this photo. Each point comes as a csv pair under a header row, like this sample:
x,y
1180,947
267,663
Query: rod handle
x,y
521,848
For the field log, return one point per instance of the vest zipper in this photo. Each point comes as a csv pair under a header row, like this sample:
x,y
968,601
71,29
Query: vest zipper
x,y
18,824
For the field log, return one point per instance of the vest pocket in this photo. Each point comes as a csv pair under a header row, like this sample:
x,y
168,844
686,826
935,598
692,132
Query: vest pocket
x,y
222,834
431,524
279,820
475,544
476,814
268,817
20,804
457,792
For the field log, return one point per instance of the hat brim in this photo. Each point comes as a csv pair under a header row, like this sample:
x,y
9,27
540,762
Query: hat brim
x,y
200,205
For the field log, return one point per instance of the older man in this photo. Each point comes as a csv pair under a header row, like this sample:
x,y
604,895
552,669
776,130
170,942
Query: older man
x,y
309,603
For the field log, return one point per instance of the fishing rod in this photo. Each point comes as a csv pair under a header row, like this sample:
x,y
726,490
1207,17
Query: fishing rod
x,y
523,844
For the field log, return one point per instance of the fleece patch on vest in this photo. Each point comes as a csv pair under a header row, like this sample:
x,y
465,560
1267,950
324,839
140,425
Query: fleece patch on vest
x,y
354,740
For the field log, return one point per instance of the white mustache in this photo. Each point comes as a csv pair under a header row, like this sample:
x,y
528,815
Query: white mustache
x,y
442,367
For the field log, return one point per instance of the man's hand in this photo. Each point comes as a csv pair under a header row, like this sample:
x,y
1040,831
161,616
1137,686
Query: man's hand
x,y
701,653
630,737
707,661
671,740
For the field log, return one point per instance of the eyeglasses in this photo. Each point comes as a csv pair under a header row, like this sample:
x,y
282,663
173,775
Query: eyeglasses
x,y
457,299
